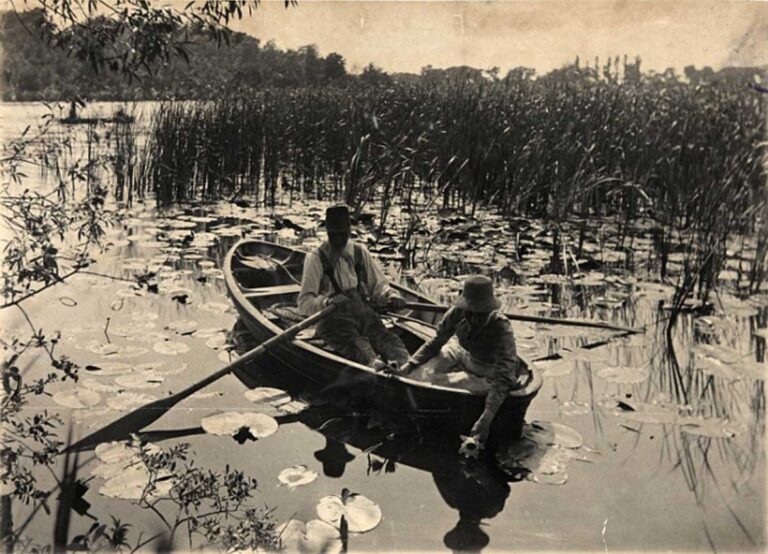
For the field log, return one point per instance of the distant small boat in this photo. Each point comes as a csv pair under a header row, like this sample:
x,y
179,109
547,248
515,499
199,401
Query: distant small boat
x,y
263,277
117,118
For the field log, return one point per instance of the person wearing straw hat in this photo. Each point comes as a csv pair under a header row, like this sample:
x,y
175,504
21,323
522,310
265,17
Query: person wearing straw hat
x,y
474,336
343,272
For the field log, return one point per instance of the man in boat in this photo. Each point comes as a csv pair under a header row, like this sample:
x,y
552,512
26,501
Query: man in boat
x,y
343,273
475,337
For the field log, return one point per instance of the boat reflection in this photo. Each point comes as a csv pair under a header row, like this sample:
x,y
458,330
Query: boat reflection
x,y
476,488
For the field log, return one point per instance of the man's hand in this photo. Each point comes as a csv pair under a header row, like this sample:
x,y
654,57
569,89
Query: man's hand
x,y
396,303
338,300
481,429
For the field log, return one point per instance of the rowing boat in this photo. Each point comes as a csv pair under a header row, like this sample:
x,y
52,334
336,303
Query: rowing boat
x,y
264,281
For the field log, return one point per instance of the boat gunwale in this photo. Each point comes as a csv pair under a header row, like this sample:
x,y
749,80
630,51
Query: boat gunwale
x,y
236,290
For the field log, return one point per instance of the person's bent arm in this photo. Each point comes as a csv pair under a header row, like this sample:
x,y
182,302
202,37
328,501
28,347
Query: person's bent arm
x,y
430,349
508,376
310,300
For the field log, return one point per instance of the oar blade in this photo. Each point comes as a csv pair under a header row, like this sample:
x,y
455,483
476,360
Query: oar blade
x,y
123,427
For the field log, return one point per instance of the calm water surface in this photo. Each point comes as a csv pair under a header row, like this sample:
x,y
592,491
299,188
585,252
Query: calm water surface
x,y
643,484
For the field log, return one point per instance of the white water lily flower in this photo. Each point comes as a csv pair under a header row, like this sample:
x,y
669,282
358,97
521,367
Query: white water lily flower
x,y
129,400
170,347
297,475
230,423
77,398
623,375
314,537
145,380
361,513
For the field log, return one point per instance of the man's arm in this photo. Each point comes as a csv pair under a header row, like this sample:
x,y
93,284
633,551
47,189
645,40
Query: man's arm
x,y
507,375
445,331
310,300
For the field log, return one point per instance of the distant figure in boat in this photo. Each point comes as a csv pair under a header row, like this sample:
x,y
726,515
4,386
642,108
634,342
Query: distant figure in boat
x,y
343,273
475,337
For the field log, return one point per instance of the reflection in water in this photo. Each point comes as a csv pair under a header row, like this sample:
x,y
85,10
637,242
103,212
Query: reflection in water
x,y
476,489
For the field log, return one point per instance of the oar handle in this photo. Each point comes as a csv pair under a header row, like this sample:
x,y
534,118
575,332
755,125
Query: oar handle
x,y
286,335
424,307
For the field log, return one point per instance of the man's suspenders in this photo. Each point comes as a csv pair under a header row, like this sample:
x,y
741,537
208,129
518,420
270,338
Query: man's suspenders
x,y
359,269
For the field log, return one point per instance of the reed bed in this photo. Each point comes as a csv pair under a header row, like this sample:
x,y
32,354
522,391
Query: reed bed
x,y
565,147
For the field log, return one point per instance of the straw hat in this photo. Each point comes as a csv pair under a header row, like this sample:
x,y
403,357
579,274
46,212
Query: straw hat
x,y
337,218
478,295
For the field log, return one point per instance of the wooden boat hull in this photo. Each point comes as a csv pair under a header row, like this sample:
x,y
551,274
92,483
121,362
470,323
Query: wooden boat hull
x,y
341,379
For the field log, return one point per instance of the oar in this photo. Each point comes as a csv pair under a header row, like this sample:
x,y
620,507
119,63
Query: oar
x,y
144,416
422,307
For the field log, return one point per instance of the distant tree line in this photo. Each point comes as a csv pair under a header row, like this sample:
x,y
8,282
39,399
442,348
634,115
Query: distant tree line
x,y
32,70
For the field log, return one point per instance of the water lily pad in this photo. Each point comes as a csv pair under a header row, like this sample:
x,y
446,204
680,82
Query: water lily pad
x,y
130,293
129,400
170,347
144,380
99,386
721,353
215,307
623,375
314,537
133,484
109,368
208,332
144,316
642,412
257,425
589,354
711,427
715,367
183,326
228,356
128,351
218,341
560,478
545,432
362,514
554,368
102,348
131,329
297,475
268,395
77,398
116,452
570,408
86,414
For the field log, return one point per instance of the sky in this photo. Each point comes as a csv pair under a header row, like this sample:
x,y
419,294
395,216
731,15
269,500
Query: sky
x,y
404,36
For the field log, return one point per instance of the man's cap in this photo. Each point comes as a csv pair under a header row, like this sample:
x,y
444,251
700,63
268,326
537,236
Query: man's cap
x,y
478,295
337,218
